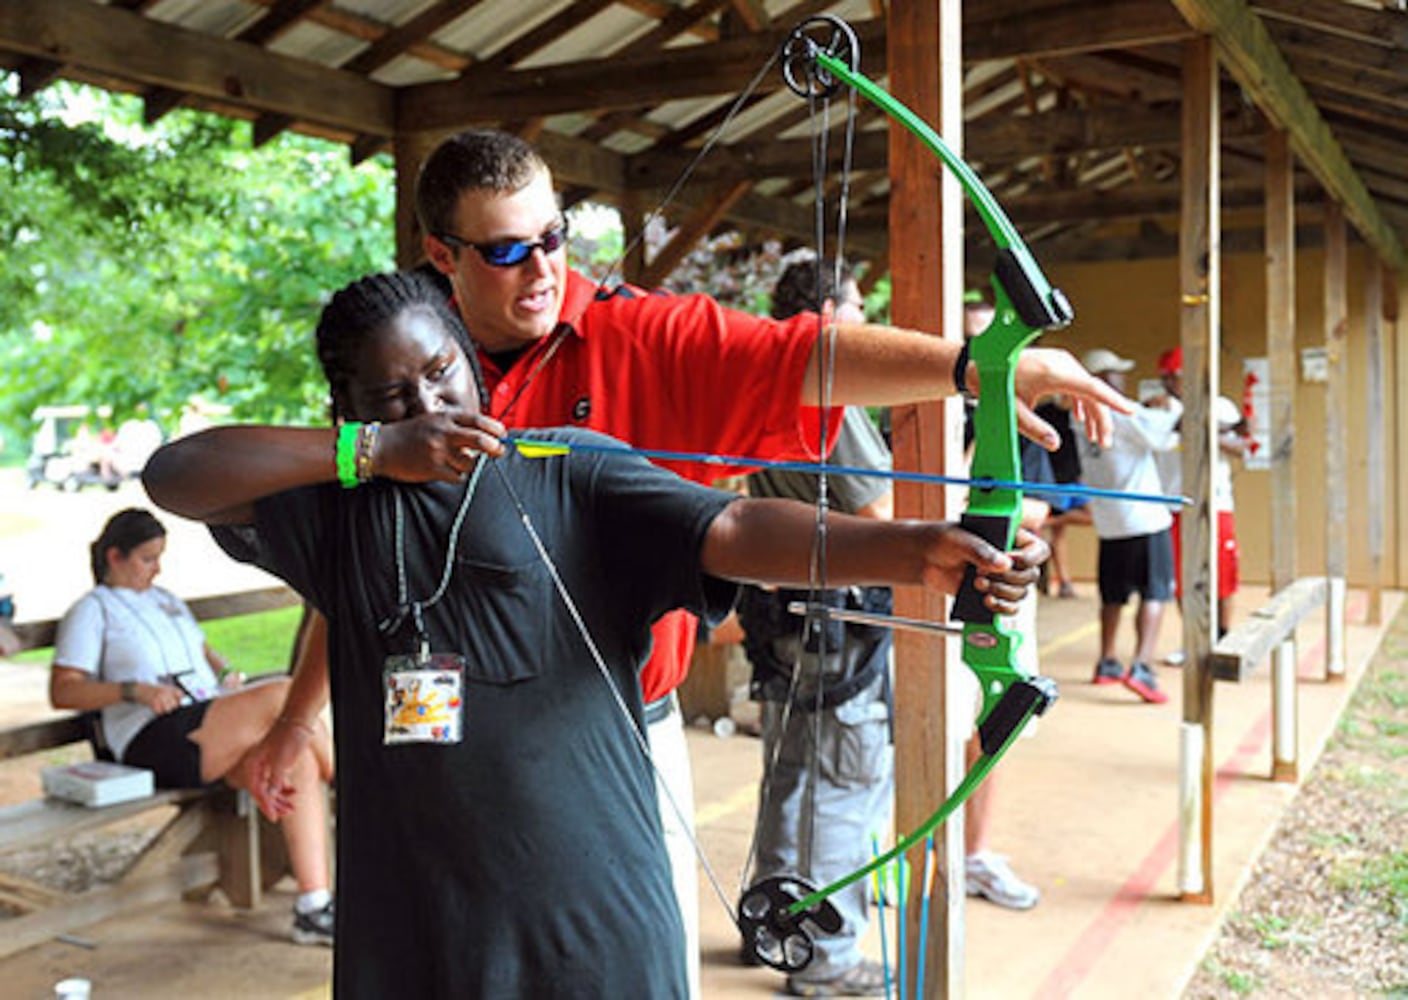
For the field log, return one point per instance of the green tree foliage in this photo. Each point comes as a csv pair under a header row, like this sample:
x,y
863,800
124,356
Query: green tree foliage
x,y
154,264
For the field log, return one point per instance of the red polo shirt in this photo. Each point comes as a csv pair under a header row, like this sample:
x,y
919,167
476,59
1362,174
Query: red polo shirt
x,y
670,372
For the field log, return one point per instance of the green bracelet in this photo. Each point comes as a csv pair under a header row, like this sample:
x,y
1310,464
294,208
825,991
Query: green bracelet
x,y
347,453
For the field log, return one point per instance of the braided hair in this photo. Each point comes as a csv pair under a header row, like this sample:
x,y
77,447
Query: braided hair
x,y
124,531
472,160
362,309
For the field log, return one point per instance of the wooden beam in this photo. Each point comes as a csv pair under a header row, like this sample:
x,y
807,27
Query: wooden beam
x,y
41,634
36,74
689,232
1200,287
1376,420
1239,652
158,103
692,71
103,40
728,66
277,20
587,164
1255,62
992,141
1088,26
1336,486
267,128
1368,57
540,35
1380,27
1281,350
1315,70
1085,248
752,13
926,254
404,38
1130,201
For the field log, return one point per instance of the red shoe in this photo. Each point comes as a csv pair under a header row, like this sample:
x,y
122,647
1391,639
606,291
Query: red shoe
x,y
1108,671
1141,681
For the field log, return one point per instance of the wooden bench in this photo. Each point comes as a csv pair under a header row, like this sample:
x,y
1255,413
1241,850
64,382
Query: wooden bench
x,y
1270,631
206,839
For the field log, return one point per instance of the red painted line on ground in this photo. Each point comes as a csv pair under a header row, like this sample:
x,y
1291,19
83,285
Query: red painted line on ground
x,y
1082,957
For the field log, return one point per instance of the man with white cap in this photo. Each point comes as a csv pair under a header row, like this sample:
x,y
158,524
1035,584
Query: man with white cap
x,y
1136,546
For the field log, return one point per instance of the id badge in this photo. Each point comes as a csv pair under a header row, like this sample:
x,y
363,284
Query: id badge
x,y
424,698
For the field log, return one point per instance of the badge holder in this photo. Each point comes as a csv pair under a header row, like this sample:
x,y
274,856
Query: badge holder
x,y
423,697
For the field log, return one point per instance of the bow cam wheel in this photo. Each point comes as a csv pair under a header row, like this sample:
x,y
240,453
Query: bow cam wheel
x,y
776,935
827,34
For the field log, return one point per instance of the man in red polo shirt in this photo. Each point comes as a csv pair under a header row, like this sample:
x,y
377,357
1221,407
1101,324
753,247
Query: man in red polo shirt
x,y
658,371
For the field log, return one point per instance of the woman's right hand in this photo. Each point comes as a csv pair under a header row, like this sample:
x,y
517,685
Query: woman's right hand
x,y
441,445
160,698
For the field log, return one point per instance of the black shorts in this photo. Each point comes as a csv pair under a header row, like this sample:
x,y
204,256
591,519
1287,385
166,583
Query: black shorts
x,y
164,746
1140,565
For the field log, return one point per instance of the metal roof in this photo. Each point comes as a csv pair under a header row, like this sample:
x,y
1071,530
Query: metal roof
x,y
1071,106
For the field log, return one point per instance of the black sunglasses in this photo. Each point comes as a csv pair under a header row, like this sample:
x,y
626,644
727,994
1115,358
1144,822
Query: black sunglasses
x,y
510,253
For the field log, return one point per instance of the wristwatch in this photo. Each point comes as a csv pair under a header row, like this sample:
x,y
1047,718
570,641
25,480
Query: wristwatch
x,y
960,373
129,690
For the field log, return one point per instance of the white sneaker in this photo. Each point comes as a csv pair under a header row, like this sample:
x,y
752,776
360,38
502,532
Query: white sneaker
x,y
990,876
1175,659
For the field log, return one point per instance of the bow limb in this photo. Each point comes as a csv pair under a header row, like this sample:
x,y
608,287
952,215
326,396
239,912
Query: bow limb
x,y
1025,304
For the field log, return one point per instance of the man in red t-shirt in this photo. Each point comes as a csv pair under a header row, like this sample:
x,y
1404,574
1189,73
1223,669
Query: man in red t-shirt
x,y
660,371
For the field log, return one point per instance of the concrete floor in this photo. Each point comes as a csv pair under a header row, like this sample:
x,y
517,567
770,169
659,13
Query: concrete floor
x,y
1086,810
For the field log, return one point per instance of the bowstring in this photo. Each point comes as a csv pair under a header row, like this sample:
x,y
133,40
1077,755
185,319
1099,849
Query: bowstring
x,y
819,121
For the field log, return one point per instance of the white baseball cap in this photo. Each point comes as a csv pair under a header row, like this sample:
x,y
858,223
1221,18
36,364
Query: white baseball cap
x,y
1100,360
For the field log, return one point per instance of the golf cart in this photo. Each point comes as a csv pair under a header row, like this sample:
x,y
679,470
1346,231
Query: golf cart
x,y
66,452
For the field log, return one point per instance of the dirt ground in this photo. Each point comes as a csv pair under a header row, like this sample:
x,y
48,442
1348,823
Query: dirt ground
x,y
1325,911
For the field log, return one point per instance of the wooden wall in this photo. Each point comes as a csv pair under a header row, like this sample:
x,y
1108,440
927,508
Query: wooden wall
x,y
1132,309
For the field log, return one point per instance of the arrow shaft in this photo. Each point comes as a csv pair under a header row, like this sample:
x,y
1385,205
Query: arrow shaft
x,y
823,468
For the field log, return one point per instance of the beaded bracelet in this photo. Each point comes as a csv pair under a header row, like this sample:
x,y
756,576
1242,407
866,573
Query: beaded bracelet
x,y
366,444
347,435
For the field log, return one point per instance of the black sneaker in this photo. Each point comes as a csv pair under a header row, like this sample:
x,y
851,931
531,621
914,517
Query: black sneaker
x,y
1108,671
315,927
864,979
1141,681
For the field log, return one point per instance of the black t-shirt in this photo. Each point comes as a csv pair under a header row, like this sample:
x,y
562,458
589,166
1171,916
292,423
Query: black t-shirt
x,y
527,860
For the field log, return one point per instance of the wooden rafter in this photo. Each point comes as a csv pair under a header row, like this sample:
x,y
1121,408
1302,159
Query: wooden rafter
x,y
1255,62
133,47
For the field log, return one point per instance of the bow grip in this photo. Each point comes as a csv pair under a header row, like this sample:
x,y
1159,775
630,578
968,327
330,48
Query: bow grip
x,y
968,605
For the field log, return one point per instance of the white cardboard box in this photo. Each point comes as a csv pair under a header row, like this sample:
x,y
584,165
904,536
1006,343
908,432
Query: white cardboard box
x,y
97,782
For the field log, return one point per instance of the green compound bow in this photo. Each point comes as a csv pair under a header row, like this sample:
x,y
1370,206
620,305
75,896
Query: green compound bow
x,y
776,914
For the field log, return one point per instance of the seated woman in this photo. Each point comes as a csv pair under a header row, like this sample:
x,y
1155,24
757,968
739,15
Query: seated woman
x,y
134,652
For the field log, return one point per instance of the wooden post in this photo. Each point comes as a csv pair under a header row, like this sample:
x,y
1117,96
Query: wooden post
x,y
1281,359
1199,267
1336,442
1375,451
1394,291
1285,714
411,150
633,232
1281,352
927,274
